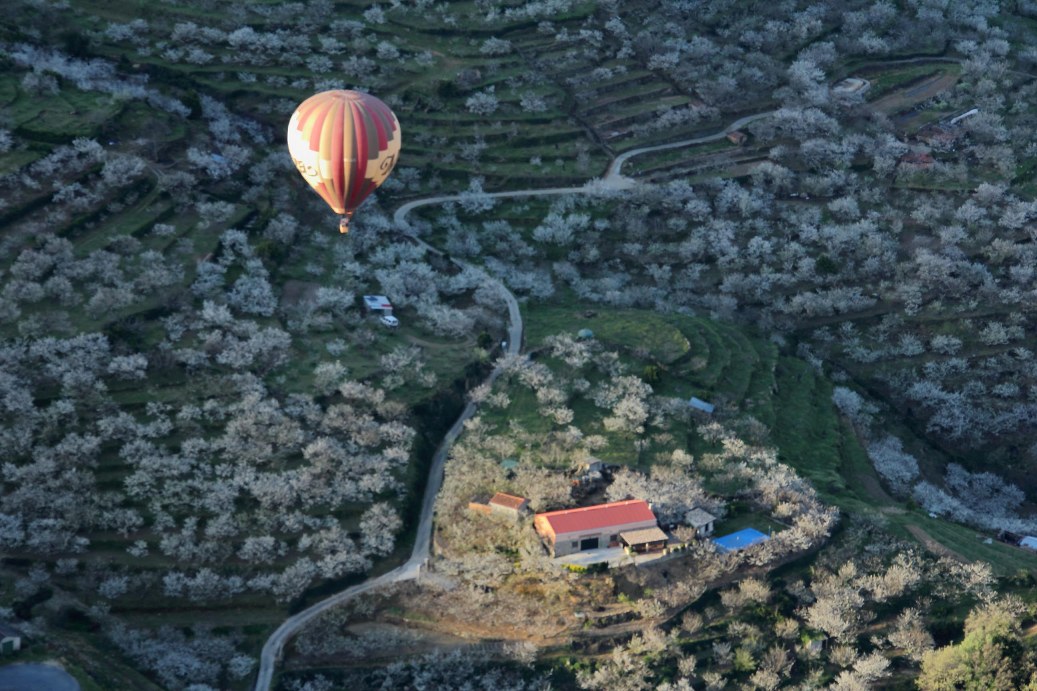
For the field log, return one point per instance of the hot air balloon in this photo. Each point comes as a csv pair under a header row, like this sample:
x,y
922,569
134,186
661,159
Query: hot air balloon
x,y
345,144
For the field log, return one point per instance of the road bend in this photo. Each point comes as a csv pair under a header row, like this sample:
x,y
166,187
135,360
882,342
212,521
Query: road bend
x,y
613,180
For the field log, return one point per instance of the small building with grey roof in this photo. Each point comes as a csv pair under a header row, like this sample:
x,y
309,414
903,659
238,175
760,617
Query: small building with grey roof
x,y
702,521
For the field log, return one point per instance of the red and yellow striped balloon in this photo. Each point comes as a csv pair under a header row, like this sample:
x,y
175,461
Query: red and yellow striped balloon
x,y
345,144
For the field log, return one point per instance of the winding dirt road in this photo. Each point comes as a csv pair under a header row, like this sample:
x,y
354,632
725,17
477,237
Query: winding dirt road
x,y
613,180
410,569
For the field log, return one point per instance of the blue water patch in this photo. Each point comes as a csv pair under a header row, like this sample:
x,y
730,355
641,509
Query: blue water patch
x,y
37,677
740,540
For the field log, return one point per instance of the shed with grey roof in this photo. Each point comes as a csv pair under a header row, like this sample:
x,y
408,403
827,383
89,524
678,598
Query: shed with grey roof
x,y
701,521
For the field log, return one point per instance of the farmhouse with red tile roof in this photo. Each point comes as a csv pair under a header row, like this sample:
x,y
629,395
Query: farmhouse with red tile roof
x,y
591,527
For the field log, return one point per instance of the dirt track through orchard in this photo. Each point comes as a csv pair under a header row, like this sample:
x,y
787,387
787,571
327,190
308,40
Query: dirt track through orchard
x,y
932,545
910,96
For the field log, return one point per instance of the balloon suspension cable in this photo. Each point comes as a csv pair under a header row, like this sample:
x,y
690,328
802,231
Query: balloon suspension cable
x,y
343,223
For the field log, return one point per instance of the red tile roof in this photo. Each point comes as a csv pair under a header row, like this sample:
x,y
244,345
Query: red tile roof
x,y
508,501
597,517
916,158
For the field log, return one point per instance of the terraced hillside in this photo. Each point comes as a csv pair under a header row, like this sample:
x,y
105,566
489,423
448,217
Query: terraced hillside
x,y
749,379
525,98
148,202
202,427
172,290
779,391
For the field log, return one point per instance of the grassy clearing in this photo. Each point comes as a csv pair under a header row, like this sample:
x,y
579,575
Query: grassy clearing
x,y
810,435
915,91
54,117
749,519
888,80
634,330
632,91
1004,559
17,159
921,181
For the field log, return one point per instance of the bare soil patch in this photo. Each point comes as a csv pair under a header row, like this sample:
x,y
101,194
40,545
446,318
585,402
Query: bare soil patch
x,y
298,293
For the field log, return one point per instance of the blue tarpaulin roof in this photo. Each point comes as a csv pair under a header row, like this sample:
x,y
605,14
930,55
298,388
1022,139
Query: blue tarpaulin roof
x,y
701,405
740,540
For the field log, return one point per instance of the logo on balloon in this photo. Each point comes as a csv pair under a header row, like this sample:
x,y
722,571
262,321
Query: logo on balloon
x,y
305,168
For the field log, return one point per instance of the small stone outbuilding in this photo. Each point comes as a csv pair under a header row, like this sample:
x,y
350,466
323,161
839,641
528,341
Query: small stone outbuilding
x,y
500,504
508,505
701,521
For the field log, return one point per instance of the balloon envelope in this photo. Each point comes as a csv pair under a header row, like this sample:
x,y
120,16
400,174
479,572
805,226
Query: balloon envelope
x,y
345,144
